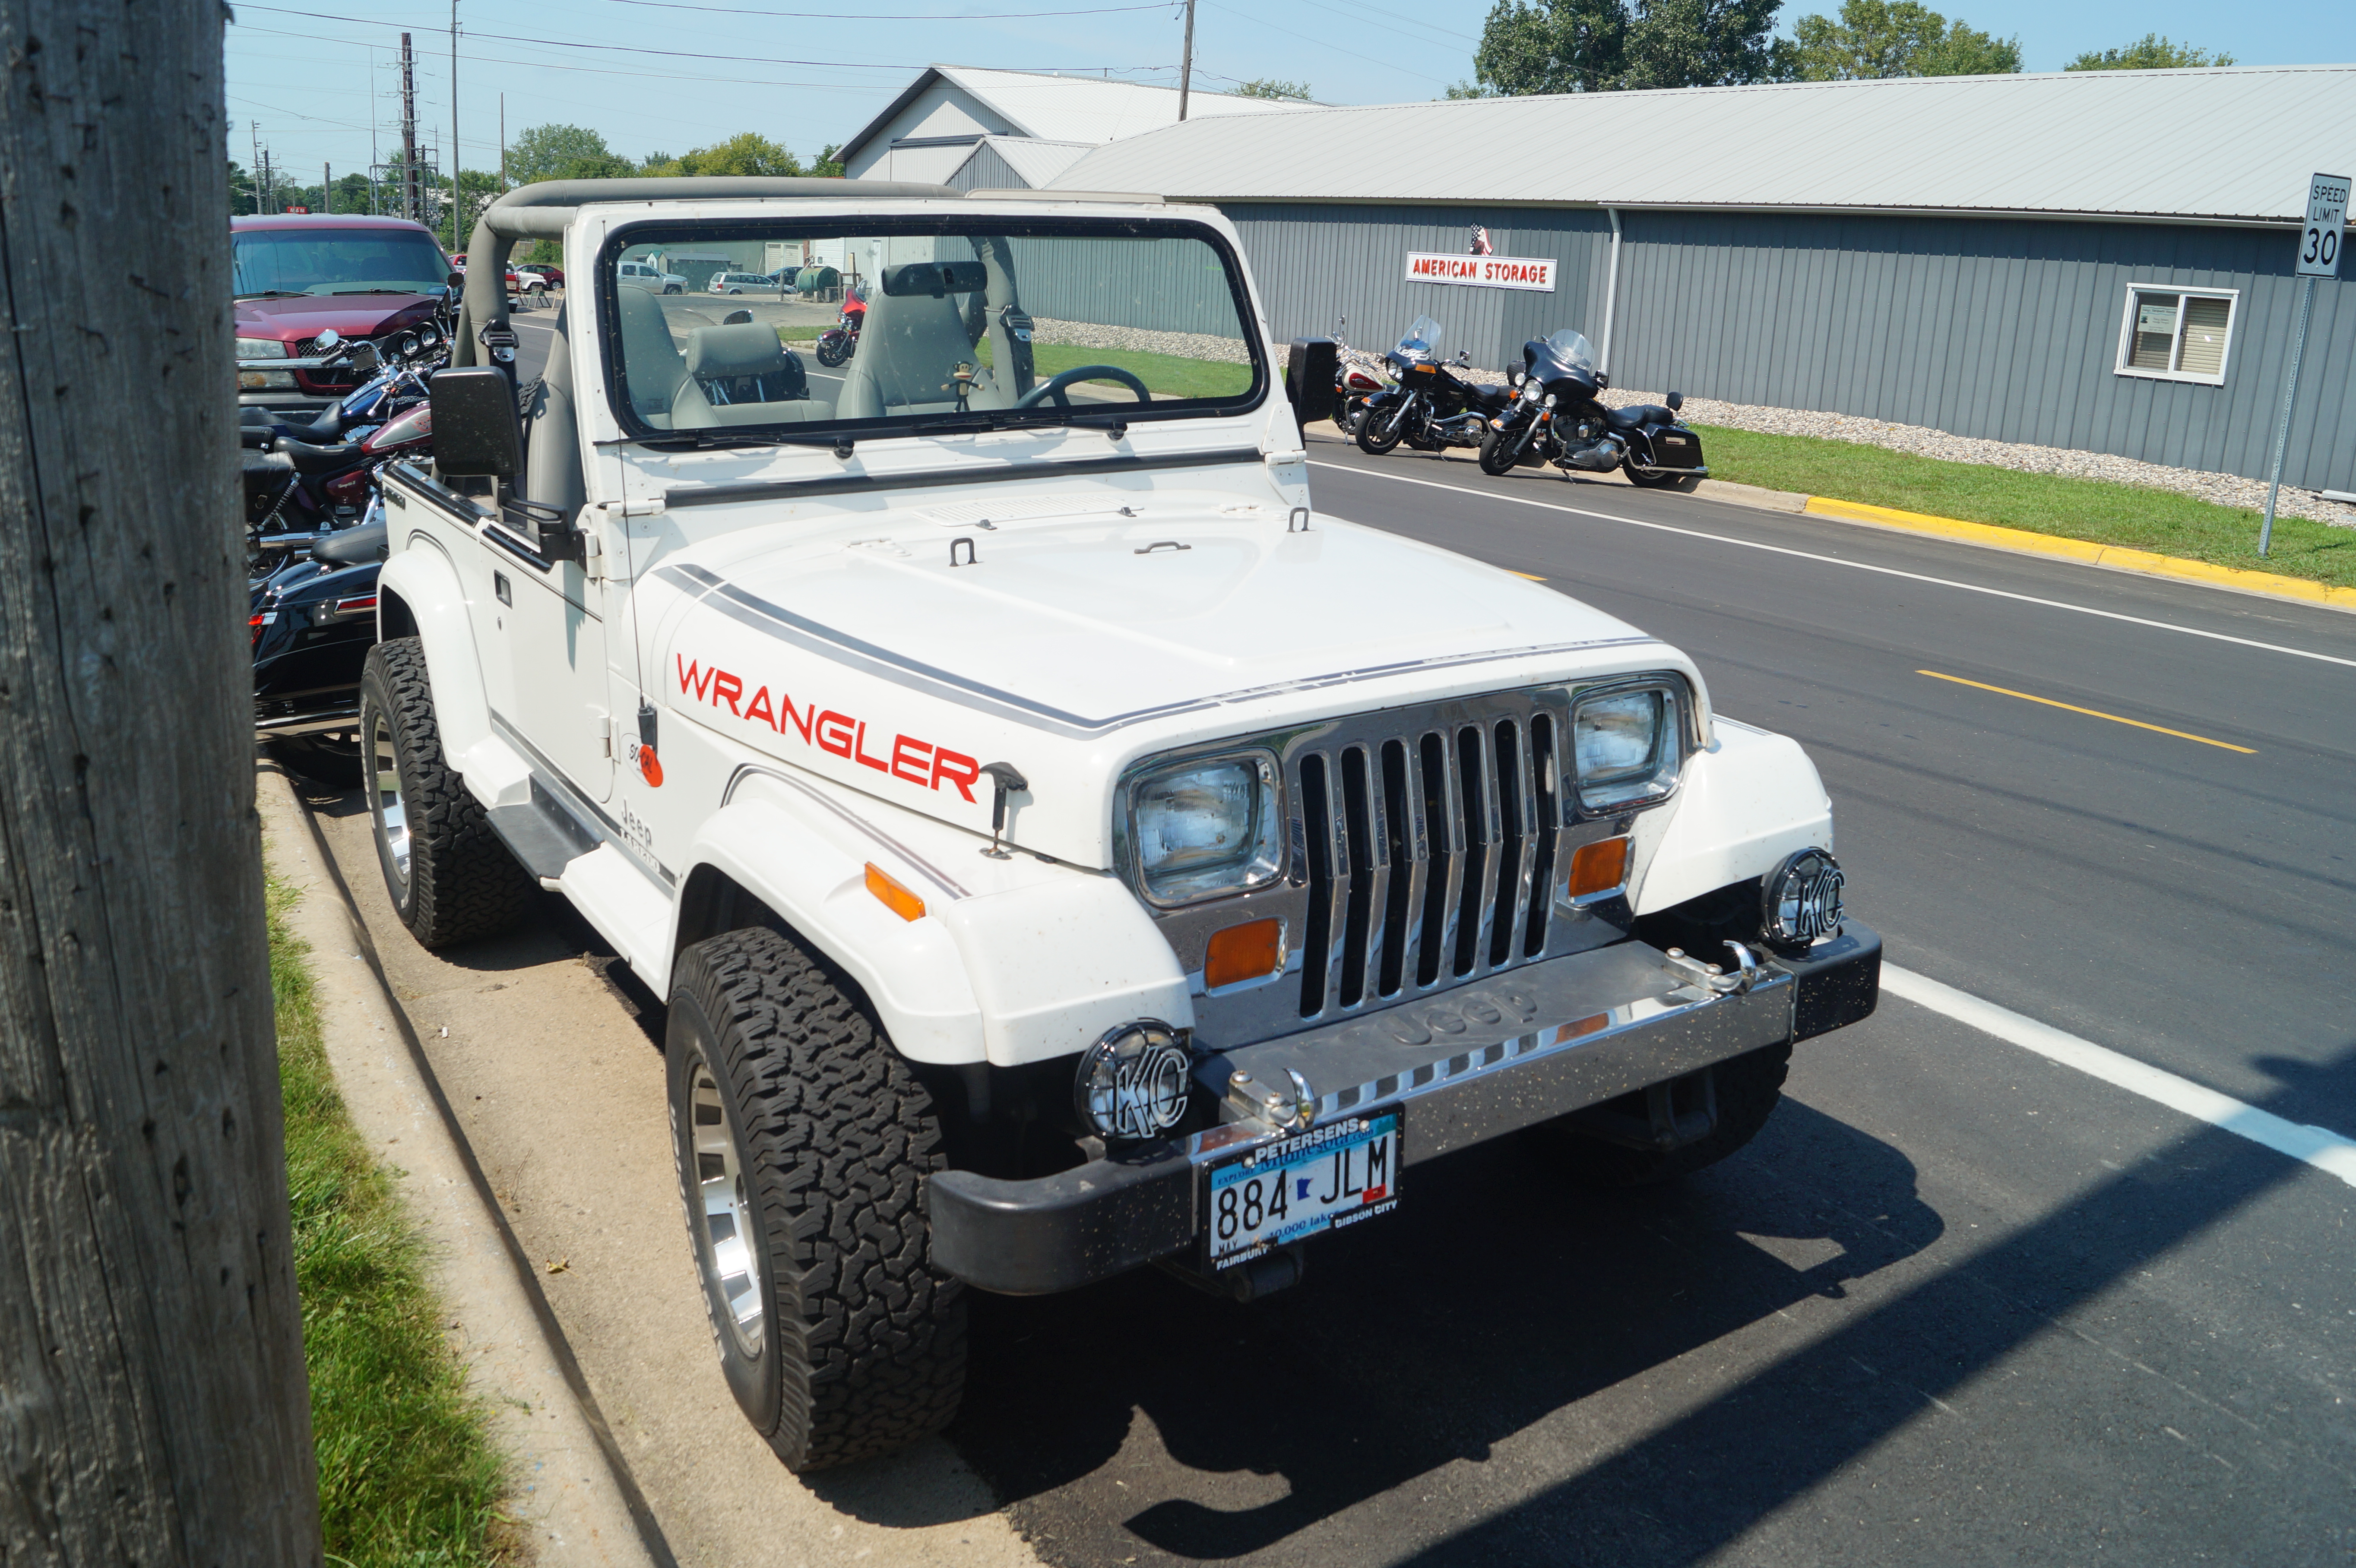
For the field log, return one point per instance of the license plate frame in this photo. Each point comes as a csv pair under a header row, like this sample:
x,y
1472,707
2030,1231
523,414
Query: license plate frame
x,y
1293,1158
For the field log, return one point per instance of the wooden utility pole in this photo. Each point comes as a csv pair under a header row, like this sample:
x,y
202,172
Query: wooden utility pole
x,y
153,1405
412,188
1186,64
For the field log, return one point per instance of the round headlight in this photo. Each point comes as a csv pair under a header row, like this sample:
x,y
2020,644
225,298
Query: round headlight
x,y
1132,1084
1800,900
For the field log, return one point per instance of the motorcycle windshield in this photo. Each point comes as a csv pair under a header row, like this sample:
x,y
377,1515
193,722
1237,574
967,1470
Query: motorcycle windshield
x,y
1421,341
1570,347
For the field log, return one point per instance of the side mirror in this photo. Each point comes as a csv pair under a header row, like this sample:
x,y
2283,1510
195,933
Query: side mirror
x,y
457,279
328,339
1675,401
1602,380
1309,371
476,435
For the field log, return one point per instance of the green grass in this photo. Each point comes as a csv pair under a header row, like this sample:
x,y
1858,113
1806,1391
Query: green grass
x,y
2105,513
408,1474
1164,375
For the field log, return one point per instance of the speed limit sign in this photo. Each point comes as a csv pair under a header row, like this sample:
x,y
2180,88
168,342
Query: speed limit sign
x,y
2326,227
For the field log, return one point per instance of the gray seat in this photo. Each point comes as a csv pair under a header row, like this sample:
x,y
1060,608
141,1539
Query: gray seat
x,y
738,352
907,349
650,362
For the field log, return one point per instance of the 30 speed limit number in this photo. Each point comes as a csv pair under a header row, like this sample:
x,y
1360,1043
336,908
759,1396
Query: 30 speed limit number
x,y
2327,226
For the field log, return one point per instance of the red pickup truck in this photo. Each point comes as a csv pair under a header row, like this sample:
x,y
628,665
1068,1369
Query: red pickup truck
x,y
299,274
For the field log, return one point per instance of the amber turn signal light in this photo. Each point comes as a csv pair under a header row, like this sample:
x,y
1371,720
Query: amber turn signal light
x,y
1598,868
1243,953
891,895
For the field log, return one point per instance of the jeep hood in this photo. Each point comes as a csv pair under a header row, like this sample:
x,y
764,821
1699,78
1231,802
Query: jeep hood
x,y
901,659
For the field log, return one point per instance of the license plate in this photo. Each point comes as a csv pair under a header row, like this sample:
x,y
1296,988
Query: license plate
x,y
1337,1175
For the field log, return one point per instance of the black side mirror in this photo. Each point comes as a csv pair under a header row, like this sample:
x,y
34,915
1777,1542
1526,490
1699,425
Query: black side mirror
x,y
1309,371
457,279
1602,380
1675,401
476,435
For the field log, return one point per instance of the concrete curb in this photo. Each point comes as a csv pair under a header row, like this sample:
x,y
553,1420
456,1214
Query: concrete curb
x,y
573,1491
2117,557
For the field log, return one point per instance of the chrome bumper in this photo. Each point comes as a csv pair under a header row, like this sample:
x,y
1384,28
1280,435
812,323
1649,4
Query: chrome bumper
x,y
1469,1065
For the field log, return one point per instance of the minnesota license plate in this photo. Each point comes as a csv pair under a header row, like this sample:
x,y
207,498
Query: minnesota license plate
x,y
1334,1176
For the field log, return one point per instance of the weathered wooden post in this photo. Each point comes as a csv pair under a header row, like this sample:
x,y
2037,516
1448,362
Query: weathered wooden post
x,y
153,1403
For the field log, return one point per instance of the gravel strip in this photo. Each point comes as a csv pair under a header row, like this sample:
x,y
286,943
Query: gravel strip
x,y
2224,489
1185,345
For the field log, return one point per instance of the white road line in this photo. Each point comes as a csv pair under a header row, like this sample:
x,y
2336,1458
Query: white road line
x,y
1837,560
2324,1149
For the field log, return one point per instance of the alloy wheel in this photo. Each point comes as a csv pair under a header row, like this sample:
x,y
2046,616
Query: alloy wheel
x,y
725,1233
384,795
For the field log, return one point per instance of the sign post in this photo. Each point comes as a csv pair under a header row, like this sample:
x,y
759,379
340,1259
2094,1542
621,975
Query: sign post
x,y
2319,239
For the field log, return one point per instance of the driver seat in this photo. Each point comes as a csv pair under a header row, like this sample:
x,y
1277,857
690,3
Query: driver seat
x,y
907,349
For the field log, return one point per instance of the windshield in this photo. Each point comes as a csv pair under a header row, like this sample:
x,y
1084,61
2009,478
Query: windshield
x,y
1038,321
1421,342
335,262
1570,347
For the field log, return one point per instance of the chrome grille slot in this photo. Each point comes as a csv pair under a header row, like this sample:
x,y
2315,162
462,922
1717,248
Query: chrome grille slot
x,y
1433,850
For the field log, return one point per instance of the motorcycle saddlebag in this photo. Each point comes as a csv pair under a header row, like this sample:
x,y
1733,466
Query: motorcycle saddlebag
x,y
1673,446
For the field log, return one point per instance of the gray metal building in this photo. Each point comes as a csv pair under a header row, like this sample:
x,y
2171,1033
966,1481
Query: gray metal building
x,y
2100,260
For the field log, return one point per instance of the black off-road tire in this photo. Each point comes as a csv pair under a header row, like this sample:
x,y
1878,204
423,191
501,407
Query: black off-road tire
x,y
1749,1088
459,883
860,1340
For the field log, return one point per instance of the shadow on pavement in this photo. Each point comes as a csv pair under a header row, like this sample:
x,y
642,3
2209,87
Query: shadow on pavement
x,y
1498,1300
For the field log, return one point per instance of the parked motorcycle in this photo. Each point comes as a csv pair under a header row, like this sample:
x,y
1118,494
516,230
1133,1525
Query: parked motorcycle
x,y
1429,408
1353,383
300,490
314,621
1554,417
840,341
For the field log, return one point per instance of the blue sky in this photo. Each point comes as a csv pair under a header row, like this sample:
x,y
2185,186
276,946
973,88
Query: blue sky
x,y
808,79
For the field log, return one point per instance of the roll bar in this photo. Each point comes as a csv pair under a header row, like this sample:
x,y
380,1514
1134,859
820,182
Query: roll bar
x,y
543,211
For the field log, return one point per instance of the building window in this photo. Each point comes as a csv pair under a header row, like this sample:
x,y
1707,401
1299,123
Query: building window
x,y
2177,335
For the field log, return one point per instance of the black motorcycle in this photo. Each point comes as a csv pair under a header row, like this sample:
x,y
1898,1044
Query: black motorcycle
x,y
1553,417
1429,408
312,622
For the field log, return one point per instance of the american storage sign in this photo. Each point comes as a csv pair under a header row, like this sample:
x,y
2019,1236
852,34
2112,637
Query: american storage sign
x,y
1482,272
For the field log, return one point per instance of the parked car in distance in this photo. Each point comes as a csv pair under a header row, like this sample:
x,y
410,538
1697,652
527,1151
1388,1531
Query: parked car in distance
x,y
648,276
294,275
539,278
742,283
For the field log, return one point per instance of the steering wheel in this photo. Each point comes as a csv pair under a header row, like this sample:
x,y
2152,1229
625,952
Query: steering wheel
x,y
1054,386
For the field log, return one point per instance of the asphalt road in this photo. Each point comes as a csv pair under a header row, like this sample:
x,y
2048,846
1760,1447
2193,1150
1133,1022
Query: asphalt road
x,y
1958,1302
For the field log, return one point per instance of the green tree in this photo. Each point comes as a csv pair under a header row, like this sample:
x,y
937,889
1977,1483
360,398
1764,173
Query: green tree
x,y
746,153
829,165
2150,52
240,190
1877,39
1270,87
560,152
1596,46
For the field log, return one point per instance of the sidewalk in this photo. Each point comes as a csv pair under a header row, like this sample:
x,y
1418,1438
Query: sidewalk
x,y
557,1089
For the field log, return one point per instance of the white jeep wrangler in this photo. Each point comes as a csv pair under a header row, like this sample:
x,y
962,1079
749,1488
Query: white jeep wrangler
x,y
1061,846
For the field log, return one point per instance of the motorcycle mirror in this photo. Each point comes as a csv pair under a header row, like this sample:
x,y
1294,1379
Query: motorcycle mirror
x,y
457,279
475,431
327,339
1602,380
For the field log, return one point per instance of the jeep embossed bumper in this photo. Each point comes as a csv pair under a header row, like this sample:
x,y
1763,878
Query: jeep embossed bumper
x,y
1470,1065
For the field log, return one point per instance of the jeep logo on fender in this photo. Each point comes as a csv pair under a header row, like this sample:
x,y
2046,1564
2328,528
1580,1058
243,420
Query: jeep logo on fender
x,y
910,761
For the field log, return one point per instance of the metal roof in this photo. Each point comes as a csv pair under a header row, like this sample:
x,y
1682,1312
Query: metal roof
x,y
2234,144
1069,107
1037,162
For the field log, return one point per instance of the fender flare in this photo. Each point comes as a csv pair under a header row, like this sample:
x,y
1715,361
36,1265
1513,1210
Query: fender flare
x,y
1748,801
420,584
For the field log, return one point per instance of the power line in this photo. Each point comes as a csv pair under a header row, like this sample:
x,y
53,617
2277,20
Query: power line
x,y
1321,43
889,15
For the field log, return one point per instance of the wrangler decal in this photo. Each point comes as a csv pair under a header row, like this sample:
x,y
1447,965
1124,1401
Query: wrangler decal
x,y
918,762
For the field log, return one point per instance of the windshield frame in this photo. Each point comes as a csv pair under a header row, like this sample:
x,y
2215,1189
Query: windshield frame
x,y
626,236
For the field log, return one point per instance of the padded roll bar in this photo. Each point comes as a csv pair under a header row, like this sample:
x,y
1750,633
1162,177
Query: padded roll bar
x,y
542,212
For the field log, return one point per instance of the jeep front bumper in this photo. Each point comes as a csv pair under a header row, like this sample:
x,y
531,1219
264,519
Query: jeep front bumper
x,y
1525,1047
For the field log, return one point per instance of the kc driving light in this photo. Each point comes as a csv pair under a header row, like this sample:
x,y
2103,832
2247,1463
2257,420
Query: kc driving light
x,y
1132,1082
1206,828
1624,749
1800,901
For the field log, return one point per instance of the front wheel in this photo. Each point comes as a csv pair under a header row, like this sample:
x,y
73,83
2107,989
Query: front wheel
x,y
1497,453
670,288
1379,428
803,1141
450,878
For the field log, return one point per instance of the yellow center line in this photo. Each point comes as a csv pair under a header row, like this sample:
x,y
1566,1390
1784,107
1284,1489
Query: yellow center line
x,y
2090,712
1532,576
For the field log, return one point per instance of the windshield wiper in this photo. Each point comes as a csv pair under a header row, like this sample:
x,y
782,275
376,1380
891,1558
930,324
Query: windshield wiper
x,y
708,440
341,292
275,295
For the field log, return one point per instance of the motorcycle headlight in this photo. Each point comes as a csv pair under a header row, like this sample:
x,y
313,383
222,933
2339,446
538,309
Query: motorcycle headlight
x,y
1529,391
262,348
1206,828
1624,747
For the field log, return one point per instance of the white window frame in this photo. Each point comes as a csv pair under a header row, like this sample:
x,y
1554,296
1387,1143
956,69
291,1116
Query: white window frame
x,y
2176,348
